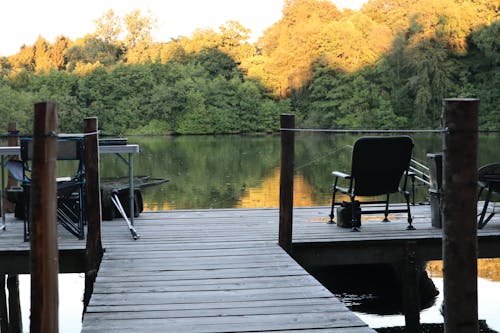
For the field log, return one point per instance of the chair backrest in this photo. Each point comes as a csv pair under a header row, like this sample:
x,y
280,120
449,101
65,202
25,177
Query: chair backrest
x,y
67,149
15,168
378,163
489,175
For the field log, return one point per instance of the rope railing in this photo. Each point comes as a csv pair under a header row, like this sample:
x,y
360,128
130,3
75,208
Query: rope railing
x,y
322,157
380,131
375,131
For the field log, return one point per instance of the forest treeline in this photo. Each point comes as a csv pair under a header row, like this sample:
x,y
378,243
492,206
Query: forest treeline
x,y
387,65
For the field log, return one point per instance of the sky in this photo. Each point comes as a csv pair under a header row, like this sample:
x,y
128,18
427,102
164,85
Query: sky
x,y
23,21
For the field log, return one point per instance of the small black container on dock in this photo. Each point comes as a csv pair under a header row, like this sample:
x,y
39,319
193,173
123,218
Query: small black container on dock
x,y
345,214
436,175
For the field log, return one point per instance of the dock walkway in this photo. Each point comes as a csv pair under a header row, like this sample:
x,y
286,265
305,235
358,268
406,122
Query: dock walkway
x,y
208,271
221,270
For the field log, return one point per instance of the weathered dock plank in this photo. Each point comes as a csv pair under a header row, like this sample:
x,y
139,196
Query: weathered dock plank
x,y
14,251
222,270
319,244
208,271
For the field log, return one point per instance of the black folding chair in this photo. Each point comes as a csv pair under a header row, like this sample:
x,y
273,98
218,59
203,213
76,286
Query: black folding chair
x,y
70,190
380,166
488,179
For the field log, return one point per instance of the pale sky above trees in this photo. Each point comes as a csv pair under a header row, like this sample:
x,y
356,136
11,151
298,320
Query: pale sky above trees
x,y
23,21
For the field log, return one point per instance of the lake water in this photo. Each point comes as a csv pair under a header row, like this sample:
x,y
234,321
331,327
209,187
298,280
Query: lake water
x,y
71,287
243,172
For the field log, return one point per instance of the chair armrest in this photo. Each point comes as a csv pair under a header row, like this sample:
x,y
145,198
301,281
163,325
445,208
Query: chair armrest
x,y
337,175
341,175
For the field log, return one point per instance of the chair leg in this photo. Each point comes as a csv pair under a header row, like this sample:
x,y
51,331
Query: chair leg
x,y
412,179
334,190
485,222
410,219
81,221
482,222
386,213
480,192
354,219
26,217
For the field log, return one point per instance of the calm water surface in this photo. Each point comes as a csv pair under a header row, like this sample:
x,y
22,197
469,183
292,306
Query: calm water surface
x,y
243,172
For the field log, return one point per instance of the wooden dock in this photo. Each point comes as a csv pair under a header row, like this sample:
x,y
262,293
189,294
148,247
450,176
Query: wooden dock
x,y
222,270
208,271
320,244
15,252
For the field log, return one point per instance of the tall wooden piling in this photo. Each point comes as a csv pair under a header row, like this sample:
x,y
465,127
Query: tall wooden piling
x,y
459,214
10,308
92,207
4,317
15,315
411,271
287,122
43,217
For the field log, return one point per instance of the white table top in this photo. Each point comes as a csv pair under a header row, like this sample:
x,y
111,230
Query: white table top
x,y
116,149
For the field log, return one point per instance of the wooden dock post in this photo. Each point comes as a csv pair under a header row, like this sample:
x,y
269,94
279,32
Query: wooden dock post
x,y
43,217
459,215
93,207
287,122
411,271
15,315
4,321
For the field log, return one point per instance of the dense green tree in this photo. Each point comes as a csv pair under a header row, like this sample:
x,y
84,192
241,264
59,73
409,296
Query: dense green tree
x,y
43,63
484,72
20,78
18,109
109,27
216,63
91,50
58,52
388,65
5,69
234,41
138,40
291,45
24,59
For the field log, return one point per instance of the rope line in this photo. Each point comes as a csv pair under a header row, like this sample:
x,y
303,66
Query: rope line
x,y
357,131
375,131
77,135
322,157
